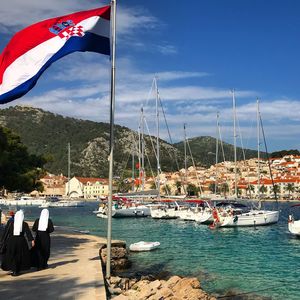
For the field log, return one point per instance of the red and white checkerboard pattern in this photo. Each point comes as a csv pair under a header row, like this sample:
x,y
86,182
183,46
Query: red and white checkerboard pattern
x,y
76,30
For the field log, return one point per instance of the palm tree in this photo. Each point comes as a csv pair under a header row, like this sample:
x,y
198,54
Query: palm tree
x,y
212,187
250,189
263,189
224,188
178,187
276,189
290,188
166,189
192,190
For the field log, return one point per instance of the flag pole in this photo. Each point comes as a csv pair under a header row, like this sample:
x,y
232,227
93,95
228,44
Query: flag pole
x,y
111,142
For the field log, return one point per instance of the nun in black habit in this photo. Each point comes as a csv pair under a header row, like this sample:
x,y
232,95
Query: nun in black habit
x,y
17,256
43,227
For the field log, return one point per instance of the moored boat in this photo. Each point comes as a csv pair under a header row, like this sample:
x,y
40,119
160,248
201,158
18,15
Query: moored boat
x,y
62,203
131,211
294,225
235,214
23,201
144,246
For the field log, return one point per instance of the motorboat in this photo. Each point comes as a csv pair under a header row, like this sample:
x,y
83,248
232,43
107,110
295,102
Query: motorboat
x,y
294,225
144,246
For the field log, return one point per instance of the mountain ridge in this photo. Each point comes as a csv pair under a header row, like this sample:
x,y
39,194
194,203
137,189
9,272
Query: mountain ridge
x,y
48,134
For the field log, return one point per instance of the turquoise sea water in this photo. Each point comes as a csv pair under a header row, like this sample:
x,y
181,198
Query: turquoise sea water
x,y
265,261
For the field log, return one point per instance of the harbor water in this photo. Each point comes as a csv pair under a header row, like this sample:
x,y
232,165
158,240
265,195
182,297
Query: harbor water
x,y
262,261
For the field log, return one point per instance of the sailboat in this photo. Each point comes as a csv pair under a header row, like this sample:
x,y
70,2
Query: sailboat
x,y
294,225
229,216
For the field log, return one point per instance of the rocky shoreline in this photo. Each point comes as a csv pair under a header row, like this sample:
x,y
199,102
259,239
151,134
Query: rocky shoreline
x,y
150,287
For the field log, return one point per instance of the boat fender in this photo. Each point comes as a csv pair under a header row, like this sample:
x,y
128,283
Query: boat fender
x,y
235,219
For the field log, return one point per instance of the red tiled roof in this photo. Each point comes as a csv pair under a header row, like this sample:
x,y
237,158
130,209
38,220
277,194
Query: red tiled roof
x,y
85,180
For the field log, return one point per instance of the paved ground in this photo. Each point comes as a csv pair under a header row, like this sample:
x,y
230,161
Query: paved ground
x,y
74,272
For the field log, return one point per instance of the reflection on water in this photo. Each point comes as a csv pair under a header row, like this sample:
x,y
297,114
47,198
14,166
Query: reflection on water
x,y
265,259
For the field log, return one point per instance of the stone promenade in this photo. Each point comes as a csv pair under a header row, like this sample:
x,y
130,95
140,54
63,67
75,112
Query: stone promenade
x,y
74,272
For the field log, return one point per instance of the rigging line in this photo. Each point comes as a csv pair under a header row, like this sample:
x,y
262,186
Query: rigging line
x,y
152,173
243,152
153,147
241,139
169,133
150,92
198,180
150,137
222,148
134,148
268,158
171,141
221,141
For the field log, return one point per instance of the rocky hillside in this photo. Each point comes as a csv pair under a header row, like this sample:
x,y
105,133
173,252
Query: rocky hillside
x,y
203,149
49,134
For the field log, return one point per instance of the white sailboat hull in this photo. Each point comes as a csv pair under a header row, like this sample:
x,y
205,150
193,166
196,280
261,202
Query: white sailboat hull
x,y
204,217
294,227
62,203
24,202
131,212
252,218
163,213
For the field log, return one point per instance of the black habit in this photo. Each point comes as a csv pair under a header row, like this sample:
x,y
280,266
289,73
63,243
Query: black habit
x,y
42,244
17,255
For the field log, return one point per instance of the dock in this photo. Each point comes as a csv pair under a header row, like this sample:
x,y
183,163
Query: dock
x,y
74,272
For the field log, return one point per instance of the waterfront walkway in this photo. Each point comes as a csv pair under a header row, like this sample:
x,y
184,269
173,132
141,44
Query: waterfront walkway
x,y
74,272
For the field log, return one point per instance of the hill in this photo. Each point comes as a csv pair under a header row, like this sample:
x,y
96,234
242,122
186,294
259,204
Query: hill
x,y
48,134
203,149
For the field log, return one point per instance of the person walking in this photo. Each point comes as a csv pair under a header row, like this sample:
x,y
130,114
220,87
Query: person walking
x,y
43,227
17,256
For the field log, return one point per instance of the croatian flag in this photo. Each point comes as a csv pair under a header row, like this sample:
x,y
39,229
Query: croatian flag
x,y
32,50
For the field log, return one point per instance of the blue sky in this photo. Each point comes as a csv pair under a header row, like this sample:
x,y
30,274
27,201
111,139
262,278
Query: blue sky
x,y
199,51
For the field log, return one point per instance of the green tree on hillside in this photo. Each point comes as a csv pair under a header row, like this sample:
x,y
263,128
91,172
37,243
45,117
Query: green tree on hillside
x,y
19,170
192,190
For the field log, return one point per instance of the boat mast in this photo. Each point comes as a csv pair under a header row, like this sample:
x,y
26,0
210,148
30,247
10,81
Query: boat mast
x,y
69,168
217,152
258,149
157,137
142,170
133,169
234,142
185,160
